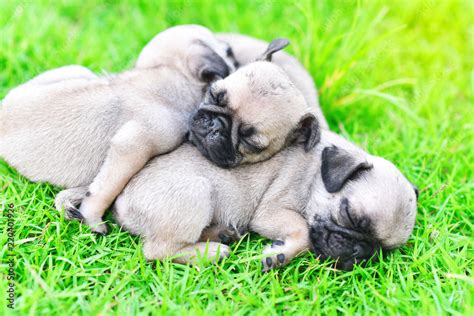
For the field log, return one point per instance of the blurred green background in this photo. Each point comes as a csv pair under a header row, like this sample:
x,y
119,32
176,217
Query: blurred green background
x,y
395,77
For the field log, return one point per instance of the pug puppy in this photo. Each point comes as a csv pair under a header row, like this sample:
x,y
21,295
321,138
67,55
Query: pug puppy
x,y
246,49
72,128
108,127
251,115
334,199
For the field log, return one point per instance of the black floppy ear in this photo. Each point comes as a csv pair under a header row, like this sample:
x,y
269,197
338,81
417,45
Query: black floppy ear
x,y
276,45
338,166
213,67
308,132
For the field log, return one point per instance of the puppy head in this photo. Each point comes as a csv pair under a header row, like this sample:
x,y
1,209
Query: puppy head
x,y
368,205
251,115
192,48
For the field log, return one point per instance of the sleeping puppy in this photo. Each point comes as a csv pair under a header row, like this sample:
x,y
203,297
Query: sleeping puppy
x,y
251,115
71,128
219,103
334,199
338,168
245,49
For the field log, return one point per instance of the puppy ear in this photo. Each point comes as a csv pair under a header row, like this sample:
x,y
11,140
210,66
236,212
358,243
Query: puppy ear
x,y
213,67
204,63
276,45
308,132
338,166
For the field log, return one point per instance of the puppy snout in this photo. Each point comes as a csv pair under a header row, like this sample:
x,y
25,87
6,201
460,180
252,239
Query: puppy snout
x,y
211,133
205,122
219,124
331,241
202,120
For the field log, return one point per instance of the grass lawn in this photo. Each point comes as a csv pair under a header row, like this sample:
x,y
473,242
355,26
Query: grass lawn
x,y
396,78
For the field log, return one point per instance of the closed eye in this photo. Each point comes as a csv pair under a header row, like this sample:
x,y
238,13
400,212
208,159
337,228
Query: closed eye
x,y
245,136
351,220
250,146
246,131
344,212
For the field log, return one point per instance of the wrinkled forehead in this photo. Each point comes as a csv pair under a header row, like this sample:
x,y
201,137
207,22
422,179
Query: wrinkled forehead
x,y
263,73
380,189
261,94
264,83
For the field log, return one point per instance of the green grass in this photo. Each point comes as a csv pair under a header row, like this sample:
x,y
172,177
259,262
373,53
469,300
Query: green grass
x,y
396,78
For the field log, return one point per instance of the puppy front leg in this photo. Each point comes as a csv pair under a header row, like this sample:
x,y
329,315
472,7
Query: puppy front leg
x,y
289,231
129,151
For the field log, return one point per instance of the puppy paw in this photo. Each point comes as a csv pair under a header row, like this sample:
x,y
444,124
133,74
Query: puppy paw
x,y
217,251
275,255
209,251
73,213
70,200
100,229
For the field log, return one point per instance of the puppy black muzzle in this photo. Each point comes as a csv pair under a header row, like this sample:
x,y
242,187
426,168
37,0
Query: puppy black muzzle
x,y
346,245
211,133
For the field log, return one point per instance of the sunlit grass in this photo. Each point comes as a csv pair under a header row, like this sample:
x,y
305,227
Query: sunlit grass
x,y
397,78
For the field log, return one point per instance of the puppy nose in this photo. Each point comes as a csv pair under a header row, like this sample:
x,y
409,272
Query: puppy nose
x,y
219,124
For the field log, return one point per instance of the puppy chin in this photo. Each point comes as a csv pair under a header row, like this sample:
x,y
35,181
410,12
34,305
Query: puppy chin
x,y
345,245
